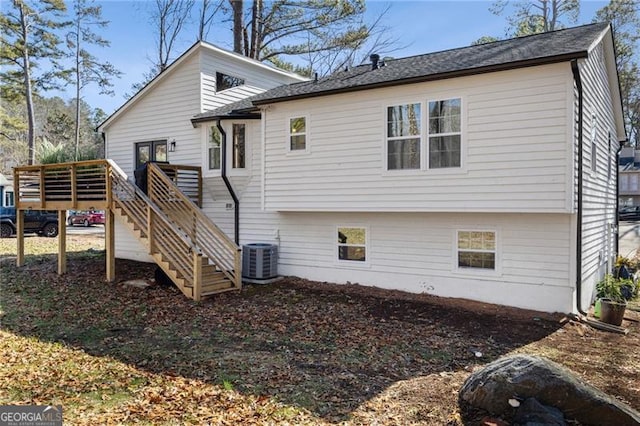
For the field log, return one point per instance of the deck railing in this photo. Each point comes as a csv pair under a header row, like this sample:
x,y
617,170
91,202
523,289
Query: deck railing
x,y
63,186
168,219
213,243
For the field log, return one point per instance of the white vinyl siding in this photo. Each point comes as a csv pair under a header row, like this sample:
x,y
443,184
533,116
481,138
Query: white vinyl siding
x,y
164,113
405,251
515,148
599,192
254,79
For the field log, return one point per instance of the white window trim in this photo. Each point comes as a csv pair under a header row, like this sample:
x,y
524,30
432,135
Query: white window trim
x,y
367,247
215,78
206,171
307,133
497,272
424,139
462,133
385,138
228,129
231,171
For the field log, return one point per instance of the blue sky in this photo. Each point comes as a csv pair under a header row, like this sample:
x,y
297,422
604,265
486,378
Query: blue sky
x,y
422,26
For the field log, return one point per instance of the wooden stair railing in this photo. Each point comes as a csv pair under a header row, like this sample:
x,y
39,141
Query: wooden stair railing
x,y
170,248
221,251
191,250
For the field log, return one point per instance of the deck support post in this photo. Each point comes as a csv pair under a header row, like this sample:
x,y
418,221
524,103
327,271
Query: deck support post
x,y
62,242
20,237
109,242
197,276
237,264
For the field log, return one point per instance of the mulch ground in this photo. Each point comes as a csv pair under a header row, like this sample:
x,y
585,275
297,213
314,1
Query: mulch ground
x,y
293,352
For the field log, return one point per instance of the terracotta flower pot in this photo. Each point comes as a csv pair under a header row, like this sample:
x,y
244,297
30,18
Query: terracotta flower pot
x,y
612,312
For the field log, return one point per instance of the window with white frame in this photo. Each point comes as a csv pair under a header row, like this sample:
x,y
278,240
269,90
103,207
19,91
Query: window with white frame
x,y
225,81
9,199
445,133
298,133
352,244
443,141
239,147
403,136
215,146
476,249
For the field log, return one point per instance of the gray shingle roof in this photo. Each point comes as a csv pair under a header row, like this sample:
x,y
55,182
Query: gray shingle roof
x,y
551,47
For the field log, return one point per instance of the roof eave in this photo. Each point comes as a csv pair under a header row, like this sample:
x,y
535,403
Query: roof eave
x,y
433,77
233,116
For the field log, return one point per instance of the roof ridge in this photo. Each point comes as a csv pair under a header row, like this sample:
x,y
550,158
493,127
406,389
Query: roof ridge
x,y
546,33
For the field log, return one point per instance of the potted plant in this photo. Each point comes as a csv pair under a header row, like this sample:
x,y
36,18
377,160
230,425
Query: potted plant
x,y
613,293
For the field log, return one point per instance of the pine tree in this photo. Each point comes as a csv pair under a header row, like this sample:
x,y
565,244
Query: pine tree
x,y
27,39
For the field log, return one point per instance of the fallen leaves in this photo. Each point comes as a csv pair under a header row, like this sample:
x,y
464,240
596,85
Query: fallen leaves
x,y
294,352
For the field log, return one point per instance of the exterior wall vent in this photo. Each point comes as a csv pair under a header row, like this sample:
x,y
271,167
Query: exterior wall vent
x,y
259,261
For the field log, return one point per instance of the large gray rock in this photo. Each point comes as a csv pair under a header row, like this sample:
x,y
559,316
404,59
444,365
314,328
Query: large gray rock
x,y
522,376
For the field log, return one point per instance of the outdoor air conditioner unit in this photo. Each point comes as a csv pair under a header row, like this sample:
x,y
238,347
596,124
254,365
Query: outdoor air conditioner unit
x,y
259,261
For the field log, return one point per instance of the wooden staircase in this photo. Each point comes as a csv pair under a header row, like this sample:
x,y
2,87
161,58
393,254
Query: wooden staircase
x,y
198,257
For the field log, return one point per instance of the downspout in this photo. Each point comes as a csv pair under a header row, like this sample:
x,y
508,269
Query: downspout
x,y
223,173
578,80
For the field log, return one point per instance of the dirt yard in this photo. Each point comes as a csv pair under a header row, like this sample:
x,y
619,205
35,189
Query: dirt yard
x,y
295,352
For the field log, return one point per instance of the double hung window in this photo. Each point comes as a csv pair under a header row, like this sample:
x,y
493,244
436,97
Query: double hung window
x,y
352,244
476,249
239,146
441,143
215,147
298,134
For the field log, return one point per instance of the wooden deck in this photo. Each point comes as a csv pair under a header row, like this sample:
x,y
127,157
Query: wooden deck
x,y
183,241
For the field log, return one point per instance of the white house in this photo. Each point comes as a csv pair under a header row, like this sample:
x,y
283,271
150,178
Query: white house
x,y
6,192
629,175
483,172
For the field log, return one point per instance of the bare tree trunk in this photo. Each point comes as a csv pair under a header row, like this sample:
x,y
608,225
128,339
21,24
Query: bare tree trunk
x,y
238,6
31,120
256,29
555,10
162,8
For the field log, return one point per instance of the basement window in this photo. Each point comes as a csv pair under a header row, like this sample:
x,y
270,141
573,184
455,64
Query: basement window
x,y
352,244
476,249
